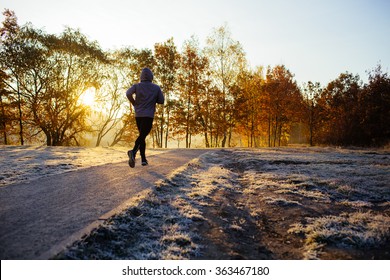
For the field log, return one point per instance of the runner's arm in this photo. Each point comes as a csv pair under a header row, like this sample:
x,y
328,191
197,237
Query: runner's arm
x,y
129,94
160,97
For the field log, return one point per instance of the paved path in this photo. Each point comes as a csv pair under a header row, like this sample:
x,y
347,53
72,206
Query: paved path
x,y
44,214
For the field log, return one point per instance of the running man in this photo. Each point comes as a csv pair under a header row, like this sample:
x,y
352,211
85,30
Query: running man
x,y
147,95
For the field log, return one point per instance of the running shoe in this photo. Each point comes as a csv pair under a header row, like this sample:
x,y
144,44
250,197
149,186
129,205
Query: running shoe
x,y
131,158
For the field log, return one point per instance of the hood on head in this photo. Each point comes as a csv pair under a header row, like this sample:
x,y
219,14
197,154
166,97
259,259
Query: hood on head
x,y
146,75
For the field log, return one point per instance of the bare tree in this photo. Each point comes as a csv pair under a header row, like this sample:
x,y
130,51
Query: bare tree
x,y
226,58
114,115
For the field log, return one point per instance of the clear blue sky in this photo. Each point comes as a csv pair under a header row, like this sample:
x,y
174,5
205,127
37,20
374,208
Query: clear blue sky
x,y
316,40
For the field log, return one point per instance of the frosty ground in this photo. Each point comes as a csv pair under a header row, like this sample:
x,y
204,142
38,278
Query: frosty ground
x,y
26,163
281,203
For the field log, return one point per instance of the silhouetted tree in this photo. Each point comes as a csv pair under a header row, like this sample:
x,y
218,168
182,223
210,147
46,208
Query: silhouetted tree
x,y
12,62
167,64
311,114
375,114
5,115
341,107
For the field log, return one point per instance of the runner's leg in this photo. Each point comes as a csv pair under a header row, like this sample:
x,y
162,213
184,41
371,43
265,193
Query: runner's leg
x,y
144,125
146,128
138,140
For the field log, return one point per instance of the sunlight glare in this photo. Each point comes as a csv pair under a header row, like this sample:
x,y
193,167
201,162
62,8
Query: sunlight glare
x,y
88,97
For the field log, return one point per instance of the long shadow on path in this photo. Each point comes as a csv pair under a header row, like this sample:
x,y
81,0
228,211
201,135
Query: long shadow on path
x,y
35,217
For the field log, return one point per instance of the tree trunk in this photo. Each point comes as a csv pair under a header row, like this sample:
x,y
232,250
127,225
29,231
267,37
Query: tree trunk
x,y
20,119
161,132
3,122
269,130
275,131
167,132
224,139
48,138
206,139
311,124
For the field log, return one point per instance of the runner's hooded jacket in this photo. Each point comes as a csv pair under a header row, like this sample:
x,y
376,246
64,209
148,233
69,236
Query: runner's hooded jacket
x,y
147,95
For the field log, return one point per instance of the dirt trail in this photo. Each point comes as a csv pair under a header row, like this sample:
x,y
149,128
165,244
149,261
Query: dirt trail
x,y
36,217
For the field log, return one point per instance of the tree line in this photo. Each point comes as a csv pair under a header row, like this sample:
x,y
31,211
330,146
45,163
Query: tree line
x,y
210,92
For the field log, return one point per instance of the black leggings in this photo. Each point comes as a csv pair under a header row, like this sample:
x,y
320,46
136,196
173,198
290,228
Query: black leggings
x,y
144,125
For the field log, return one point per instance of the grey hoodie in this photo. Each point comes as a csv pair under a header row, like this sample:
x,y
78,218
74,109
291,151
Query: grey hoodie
x,y
147,95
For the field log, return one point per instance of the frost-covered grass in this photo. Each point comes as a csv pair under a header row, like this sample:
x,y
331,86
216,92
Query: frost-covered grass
x,y
289,202
359,229
159,226
324,180
155,227
273,182
325,175
281,201
26,163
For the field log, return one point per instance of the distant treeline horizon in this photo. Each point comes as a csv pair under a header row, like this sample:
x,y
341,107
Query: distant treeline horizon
x,y
210,92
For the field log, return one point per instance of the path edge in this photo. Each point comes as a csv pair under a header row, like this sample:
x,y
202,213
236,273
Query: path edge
x,y
63,245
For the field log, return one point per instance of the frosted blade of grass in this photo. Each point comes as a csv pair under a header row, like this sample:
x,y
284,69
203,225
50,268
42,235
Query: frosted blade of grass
x,y
359,230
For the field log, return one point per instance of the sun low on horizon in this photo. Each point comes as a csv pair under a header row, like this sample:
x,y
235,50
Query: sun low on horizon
x,y
88,98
